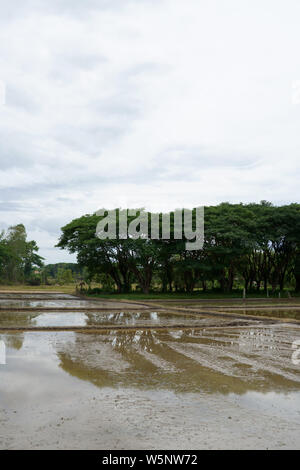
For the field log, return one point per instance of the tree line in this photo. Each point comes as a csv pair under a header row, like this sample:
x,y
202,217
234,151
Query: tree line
x,y
254,245
20,262
18,257
63,273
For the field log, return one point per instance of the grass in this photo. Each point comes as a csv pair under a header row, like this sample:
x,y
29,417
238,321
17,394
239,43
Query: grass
x,y
209,295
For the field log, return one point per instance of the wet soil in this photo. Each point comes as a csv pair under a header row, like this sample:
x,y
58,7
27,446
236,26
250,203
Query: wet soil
x,y
213,384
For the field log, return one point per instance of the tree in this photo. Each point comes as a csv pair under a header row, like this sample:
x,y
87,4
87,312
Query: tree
x,y
259,243
18,257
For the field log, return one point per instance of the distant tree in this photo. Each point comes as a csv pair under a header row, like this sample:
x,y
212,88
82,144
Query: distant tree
x,y
18,257
64,276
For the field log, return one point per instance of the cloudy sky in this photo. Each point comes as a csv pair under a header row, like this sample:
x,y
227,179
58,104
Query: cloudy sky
x,y
145,103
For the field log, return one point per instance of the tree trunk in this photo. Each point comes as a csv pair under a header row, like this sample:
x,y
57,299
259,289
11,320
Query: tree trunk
x,y
265,284
297,289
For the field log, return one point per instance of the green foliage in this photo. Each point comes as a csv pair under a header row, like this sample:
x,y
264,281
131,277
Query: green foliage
x,y
64,276
254,244
18,257
51,270
34,280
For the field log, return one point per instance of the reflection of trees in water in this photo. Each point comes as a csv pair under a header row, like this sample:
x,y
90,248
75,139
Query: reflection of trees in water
x,y
115,359
13,340
133,318
148,359
18,318
115,318
22,303
145,339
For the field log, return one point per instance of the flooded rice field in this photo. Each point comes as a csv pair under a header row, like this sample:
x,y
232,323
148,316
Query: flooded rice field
x,y
61,304
208,384
24,296
275,309
102,318
232,303
284,312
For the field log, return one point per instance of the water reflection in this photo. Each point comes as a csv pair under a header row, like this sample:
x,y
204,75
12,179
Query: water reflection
x,y
13,340
185,361
43,296
277,313
9,319
74,390
13,303
91,318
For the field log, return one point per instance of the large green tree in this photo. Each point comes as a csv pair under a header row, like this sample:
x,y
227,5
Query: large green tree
x,y
259,243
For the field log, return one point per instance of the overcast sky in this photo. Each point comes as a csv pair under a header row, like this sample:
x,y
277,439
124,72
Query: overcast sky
x,y
145,103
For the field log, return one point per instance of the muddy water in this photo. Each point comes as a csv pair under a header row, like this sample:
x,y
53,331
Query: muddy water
x,y
262,310
126,318
50,303
232,303
276,312
76,303
214,388
48,295
235,359
49,319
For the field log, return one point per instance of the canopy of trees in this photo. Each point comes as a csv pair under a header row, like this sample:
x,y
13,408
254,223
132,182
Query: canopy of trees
x,y
257,245
62,273
18,257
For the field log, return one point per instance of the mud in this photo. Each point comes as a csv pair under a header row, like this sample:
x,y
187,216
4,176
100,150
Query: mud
x,y
282,312
99,319
232,303
218,386
62,304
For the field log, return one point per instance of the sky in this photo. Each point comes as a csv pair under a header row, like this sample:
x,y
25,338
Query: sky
x,y
158,104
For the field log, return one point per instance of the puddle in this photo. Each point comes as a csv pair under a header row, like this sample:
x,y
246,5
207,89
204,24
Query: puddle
x,y
217,387
61,301
151,390
231,303
8,295
212,361
130,319
48,319
276,313
47,303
